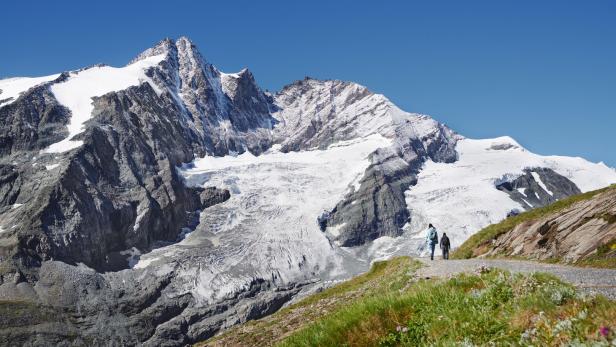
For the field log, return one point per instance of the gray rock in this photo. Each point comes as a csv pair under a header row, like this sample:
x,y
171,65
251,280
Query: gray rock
x,y
530,194
570,235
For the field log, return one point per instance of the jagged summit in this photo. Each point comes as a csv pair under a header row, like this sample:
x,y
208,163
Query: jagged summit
x,y
167,46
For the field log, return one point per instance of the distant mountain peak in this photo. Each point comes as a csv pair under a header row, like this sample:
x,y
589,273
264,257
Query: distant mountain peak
x,y
181,46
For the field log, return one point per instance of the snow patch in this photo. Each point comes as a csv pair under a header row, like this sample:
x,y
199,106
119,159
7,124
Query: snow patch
x,y
51,167
521,191
77,91
12,88
139,218
540,182
335,230
133,256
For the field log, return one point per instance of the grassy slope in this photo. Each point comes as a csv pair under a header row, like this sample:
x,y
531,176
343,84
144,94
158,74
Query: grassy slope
x,y
388,307
473,246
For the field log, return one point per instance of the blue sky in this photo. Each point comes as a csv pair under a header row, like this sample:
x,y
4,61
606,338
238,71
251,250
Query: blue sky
x,y
543,72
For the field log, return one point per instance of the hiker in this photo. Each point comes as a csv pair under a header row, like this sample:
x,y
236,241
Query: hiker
x,y
432,239
445,245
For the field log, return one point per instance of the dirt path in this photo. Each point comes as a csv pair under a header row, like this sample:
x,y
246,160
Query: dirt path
x,y
590,280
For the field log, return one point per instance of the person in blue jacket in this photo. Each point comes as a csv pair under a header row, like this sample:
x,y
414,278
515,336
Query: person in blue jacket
x,y
432,239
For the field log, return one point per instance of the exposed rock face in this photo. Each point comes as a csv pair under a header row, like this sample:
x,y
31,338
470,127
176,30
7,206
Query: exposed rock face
x,y
229,112
120,308
538,187
571,234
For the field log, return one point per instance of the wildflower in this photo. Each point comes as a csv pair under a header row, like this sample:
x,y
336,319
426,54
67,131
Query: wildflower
x,y
398,328
405,329
604,331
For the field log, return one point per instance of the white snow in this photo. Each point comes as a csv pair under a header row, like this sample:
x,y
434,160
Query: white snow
x,y
335,230
143,263
460,198
521,190
528,203
16,206
139,218
13,87
133,256
540,182
77,92
51,167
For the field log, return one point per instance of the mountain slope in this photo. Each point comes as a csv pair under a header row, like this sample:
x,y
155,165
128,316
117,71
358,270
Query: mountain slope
x,y
171,193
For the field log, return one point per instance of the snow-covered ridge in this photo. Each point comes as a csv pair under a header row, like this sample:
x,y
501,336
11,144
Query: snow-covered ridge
x,y
77,91
11,88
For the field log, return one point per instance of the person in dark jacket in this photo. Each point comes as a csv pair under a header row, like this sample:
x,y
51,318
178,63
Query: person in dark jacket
x,y
445,245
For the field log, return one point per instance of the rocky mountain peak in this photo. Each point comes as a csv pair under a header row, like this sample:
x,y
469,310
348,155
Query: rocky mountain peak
x,y
162,47
188,54
181,52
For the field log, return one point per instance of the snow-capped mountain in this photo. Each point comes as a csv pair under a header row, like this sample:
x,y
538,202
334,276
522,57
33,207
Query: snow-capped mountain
x,y
171,193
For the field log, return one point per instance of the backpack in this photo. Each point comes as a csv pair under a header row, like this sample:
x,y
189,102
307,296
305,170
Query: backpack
x,y
433,236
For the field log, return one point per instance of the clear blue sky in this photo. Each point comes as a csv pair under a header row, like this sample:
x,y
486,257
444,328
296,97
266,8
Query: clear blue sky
x,y
543,72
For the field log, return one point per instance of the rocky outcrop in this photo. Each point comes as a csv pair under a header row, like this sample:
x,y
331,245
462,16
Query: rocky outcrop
x,y
538,187
571,234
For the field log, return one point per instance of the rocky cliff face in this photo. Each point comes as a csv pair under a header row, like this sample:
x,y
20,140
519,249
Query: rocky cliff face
x,y
160,202
573,234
